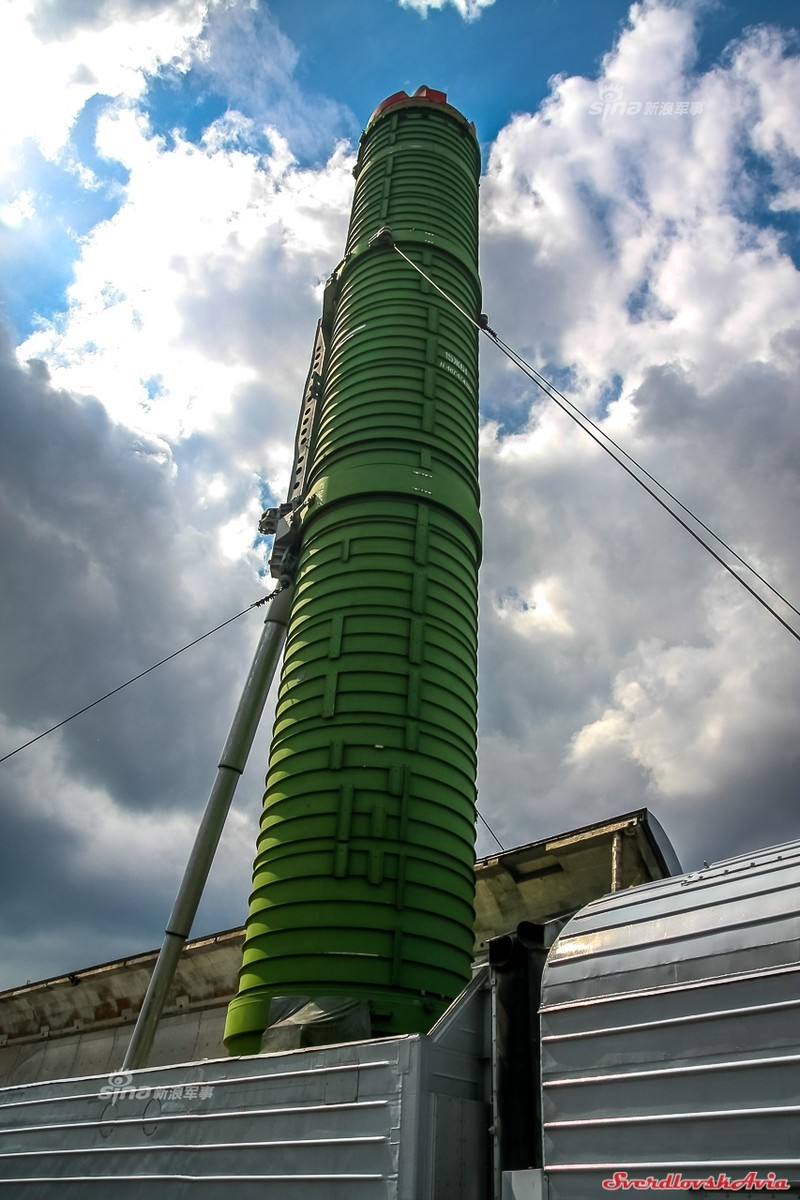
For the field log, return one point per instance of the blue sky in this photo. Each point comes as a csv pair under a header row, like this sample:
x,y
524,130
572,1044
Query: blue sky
x,y
493,66
174,189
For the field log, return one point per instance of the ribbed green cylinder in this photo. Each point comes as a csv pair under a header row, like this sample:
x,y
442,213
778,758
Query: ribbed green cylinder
x,y
364,877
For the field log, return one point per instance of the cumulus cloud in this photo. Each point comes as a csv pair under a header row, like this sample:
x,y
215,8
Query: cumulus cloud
x,y
623,249
56,56
58,19
244,55
470,10
193,289
110,562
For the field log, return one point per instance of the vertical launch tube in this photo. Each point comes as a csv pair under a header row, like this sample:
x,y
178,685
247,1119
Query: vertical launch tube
x,y
363,884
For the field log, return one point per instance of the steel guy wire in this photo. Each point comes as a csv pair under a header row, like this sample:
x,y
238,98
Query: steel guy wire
x,y
141,675
589,427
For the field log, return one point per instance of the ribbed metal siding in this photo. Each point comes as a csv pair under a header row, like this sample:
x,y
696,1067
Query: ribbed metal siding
x,y
400,1119
301,1124
671,1030
412,140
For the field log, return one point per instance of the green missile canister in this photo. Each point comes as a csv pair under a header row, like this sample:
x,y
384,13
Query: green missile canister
x,y
363,883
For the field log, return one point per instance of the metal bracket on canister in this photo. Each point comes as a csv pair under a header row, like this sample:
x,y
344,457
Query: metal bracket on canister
x,y
382,237
284,523
285,520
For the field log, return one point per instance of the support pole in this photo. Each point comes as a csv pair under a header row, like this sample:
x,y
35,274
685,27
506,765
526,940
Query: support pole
x,y
231,765
616,862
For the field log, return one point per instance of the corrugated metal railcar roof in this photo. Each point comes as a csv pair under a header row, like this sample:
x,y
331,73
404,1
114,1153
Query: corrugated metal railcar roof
x,y
670,1034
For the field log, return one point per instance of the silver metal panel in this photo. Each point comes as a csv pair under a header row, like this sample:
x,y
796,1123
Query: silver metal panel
x,y
399,1119
524,1185
458,1084
308,1123
445,1154
461,1160
671,1031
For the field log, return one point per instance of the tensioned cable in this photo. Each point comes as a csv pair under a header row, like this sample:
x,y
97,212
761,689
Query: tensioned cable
x,y
552,392
545,383
589,427
580,419
160,663
482,818
128,682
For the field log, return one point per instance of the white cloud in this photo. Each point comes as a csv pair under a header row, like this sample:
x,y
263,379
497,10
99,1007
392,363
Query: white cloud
x,y
633,203
99,529
16,212
45,83
468,9
697,717
625,246
191,213
121,866
245,56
